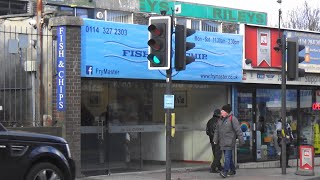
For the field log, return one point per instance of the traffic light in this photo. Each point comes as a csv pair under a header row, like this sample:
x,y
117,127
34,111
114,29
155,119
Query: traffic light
x,y
293,59
159,49
181,46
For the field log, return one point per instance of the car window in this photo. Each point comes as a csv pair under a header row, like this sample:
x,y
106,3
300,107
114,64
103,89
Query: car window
x,y
2,128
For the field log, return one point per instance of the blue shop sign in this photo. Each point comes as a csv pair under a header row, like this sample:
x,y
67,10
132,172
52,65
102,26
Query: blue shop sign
x,y
311,53
117,50
61,68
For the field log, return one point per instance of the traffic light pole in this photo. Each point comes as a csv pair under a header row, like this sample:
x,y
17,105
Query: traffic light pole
x,y
283,105
168,126
168,110
283,96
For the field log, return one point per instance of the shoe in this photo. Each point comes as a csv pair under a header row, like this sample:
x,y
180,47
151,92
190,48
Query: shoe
x,y
223,174
214,171
231,173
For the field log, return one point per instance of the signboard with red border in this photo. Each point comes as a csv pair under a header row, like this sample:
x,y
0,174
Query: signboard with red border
x,y
259,44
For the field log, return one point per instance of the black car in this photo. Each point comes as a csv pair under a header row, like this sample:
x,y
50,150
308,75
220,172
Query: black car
x,y
32,156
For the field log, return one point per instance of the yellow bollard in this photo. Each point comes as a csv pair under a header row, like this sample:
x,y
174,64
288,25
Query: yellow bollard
x,y
316,144
173,123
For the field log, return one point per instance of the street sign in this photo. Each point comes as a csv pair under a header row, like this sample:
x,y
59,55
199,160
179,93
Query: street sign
x,y
168,101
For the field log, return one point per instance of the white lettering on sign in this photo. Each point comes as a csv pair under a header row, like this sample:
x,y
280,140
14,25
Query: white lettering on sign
x,y
61,89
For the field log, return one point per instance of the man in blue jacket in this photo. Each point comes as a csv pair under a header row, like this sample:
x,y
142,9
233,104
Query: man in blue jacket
x,y
227,130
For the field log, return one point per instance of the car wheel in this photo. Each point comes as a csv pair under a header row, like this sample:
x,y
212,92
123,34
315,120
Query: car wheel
x,y
45,171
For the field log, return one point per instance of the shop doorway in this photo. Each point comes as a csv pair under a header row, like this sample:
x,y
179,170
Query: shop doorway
x,y
111,125
245,107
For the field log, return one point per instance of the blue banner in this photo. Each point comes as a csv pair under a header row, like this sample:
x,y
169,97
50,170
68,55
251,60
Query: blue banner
x,y
311,53
117,50
311,41
61,68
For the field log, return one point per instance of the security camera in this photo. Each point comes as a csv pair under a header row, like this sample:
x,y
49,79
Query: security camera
x,y
276,48
33,43
163,12
33,23
248,61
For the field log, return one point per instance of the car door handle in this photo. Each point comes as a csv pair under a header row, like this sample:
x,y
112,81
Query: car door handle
x,y
3,146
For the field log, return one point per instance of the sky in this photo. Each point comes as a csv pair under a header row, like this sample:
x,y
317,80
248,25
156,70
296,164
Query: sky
x,y
269,6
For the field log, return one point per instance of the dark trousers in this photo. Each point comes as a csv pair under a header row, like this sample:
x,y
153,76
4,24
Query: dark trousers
x,y
288,151
217,153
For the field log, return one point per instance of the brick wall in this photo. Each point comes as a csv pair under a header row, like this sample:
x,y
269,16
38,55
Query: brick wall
x,y
73,91
71,118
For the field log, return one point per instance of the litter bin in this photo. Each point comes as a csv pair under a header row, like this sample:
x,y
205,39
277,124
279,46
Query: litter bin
x,y
306,164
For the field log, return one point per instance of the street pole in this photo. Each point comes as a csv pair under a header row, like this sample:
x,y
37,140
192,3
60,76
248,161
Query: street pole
x,y
168,110
168,126
282,47
283,104
39,61
283,97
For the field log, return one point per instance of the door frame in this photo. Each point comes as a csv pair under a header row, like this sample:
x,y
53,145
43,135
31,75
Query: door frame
x,y
251,90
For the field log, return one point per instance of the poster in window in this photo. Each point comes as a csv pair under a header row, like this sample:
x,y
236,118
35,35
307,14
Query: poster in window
x,y
180,98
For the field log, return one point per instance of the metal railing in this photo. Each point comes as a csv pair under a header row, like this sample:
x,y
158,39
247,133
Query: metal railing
x,y
19,78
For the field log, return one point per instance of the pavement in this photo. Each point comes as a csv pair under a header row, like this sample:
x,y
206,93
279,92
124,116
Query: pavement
x,y
203,174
